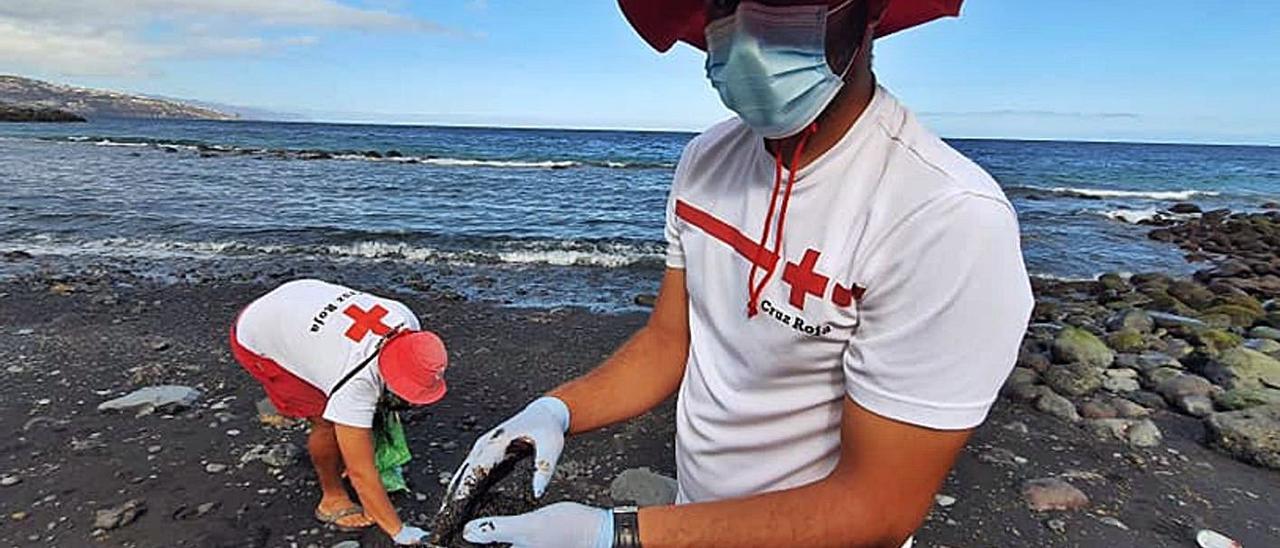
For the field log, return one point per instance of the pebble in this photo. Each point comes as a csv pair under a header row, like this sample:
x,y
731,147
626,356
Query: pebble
x,y
233,432
1056,525
153,449
9,480
18,516
1114,522
1053,494
944,500
445,478
1213,539
215,468
346,544
119,516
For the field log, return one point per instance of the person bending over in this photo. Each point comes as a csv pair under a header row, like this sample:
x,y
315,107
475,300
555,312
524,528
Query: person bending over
x,y
334,356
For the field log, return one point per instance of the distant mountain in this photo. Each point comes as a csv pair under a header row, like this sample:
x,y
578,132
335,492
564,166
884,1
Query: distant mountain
x,y
94,103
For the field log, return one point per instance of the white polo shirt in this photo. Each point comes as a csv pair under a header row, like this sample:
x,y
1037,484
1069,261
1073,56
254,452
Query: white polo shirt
x,y
320,331
900,284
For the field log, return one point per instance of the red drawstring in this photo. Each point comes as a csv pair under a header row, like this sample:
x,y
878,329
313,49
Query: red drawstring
x,y
754,290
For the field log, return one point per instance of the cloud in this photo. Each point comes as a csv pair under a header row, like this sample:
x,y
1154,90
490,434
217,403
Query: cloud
x,y
124,37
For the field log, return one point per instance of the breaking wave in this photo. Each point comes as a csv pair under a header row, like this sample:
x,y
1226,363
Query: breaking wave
x,y
513,252
391,156
1171,195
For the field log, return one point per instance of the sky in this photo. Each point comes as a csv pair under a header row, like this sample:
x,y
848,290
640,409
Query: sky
x,y
1169,71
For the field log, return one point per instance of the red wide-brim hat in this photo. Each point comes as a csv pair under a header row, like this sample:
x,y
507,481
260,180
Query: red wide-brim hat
x,y
664,22
412,366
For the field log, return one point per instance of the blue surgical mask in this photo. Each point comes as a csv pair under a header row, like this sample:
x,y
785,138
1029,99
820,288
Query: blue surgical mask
x,y
769,64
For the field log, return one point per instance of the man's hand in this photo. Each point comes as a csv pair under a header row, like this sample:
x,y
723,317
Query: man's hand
x,y
409,536
560,525
541,423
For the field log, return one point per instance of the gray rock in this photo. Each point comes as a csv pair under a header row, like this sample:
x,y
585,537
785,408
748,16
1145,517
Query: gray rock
x,y
644,487
1047,494
119,516
346,544
1167,320
1075,345
1264,332
1129,410
215,468
1108,429
1244,398
1182,385
1158,376
1001,456
1138,320
280,455
1147,399
1265,346
1251,435
1243,368
1097,409
1152,360
1114,522
1120,384
1024,392
1053,404
167,398
1144,433
1018,378
1077,379
9,480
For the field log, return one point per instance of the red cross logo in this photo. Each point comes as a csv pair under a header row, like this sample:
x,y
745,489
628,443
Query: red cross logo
x,y
804,281
366,321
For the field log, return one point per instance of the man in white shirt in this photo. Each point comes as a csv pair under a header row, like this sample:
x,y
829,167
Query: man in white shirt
x,y
332,355
844,295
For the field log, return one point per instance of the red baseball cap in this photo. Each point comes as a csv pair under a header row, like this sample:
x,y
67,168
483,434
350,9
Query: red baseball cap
x,y
664,22
413,367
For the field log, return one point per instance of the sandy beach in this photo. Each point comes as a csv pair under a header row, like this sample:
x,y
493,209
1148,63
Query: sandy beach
x,y
70,343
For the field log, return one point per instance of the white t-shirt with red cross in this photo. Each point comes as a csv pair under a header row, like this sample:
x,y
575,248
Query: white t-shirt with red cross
x,y
321,331
899,283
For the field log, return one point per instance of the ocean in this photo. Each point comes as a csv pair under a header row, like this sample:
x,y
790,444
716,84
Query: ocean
x,y
524,217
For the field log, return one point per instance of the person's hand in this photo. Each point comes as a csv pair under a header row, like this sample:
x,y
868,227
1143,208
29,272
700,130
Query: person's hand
x,y
541,423
560,525
409,536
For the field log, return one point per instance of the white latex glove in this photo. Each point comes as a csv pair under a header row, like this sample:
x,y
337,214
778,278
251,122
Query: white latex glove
x,y
409,536
542,423
560,525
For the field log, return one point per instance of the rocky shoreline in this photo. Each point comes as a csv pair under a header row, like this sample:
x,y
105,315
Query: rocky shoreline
x,y
25,113
1142,411
1110,353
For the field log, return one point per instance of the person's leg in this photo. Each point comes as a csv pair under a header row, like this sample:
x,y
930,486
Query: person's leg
x,y
322,445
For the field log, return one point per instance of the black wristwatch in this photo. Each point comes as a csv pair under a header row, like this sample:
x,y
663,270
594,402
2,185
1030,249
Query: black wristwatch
x,y
626,527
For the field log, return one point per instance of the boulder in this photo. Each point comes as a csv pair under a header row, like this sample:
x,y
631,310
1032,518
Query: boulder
x,y
1120,384
1167,320
1075,345
166,398
1239,316
1055,405
1265,346
1108,429
1264,332
1148,361
1251,435
1147,399
1243,368
643,487
1076,379
1127,340
1129,410
1143,433
1047,494
1191,293
1184,208
1244,398
1156,377
1019,377
1097,409
1216,341
1035,361
1135,319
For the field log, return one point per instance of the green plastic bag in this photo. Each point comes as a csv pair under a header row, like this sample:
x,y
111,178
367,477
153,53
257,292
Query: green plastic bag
x,y
390,450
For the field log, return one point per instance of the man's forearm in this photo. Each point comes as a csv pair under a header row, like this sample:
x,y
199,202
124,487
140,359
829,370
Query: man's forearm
x,y
641,374
826,513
